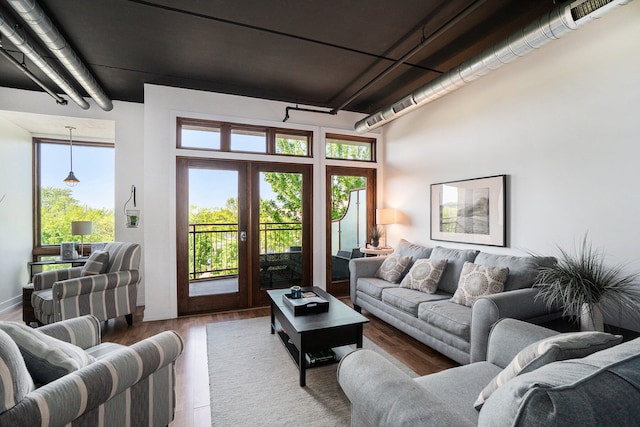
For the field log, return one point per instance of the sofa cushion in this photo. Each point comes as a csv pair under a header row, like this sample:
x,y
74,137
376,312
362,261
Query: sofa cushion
x,y
523,271
47,358
393,267
455,261
373,286
15,381
477,281
408,300
424,275
97,263
413,250
559,347
597,390
448,316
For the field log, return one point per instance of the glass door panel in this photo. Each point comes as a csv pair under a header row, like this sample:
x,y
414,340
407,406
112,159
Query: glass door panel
x,y
350,207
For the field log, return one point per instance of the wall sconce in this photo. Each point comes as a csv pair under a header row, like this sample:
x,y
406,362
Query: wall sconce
x,y
133,215
384,217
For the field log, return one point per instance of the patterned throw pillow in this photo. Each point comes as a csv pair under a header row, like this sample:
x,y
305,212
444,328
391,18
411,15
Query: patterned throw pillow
x,y
96,264
393,268
47,358
15,381
425,275
477,281
558,347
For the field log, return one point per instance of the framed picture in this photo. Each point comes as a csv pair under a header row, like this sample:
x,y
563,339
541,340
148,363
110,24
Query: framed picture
x,y
470,211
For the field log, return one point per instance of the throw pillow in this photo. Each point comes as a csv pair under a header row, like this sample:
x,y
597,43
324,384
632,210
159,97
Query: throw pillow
x,y
424,275
96,264
46,358
477,281
393,268
15,381
558,347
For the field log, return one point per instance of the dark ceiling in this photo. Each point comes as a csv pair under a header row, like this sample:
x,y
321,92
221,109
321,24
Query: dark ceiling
x,y
311,52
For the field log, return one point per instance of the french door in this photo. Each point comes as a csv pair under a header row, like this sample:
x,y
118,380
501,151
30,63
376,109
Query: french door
x,y
243,228
351,201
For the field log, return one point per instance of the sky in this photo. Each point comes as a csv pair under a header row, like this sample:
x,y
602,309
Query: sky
x,y
94,167
209,188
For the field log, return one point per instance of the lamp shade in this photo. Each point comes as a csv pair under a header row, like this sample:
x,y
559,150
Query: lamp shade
x,y
385,216
81,228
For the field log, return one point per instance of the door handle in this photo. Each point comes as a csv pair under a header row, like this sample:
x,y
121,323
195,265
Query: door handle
x,y
243,236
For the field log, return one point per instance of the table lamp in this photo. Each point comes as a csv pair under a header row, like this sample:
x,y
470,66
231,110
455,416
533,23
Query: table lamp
x,y
384,217
81,228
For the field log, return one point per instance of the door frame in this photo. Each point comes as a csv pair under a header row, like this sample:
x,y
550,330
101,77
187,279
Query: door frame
x,y
342,287
249,293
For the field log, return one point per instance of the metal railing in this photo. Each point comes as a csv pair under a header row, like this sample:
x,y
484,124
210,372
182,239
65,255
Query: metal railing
x,y
213,248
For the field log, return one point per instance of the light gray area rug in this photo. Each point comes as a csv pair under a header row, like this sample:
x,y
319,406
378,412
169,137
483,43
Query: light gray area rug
x,y
254,382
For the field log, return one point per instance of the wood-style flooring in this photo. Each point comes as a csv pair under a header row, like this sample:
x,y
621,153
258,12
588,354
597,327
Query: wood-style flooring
x,y
192,378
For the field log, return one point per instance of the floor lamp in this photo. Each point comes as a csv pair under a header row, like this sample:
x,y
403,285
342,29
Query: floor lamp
x,y
384,217
81,228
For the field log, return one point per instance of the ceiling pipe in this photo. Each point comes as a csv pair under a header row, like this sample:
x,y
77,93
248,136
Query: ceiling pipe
x,y
40,23
22,67
8,29
456,19
549,27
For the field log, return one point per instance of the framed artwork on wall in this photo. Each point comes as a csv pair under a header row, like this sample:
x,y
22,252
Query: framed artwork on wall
x,y
470,211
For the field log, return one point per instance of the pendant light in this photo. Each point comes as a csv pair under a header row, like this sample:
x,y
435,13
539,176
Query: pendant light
x,y
71,179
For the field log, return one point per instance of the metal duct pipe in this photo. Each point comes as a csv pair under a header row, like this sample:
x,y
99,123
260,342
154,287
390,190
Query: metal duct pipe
x,y
549,27
40,23
60,100
7,27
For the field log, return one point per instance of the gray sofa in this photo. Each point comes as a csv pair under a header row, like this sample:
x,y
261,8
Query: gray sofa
x,y
599,389
455,330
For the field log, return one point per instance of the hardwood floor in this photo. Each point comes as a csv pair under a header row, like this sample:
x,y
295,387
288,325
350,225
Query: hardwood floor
x,y
192,378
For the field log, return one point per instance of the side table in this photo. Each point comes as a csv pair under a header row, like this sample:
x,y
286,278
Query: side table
x,y
28,316
376,251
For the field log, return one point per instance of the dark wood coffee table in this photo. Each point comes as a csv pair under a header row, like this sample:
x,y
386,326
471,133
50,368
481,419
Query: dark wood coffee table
x,y
339,326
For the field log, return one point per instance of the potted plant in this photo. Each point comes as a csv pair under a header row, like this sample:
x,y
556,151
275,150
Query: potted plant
x,y
374,236
579,282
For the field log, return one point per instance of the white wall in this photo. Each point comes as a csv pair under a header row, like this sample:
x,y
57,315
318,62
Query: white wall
x,y
562,123
15,212
162,106
128,119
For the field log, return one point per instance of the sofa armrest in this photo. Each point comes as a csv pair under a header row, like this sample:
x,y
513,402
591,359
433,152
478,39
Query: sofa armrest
x,y
82,331
383,395
509,336
46,279
71,396
97,283
362,267
517,304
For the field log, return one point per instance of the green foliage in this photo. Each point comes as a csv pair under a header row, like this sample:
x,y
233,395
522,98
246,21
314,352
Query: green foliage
x,y
291,146
58,209
348,151
341,187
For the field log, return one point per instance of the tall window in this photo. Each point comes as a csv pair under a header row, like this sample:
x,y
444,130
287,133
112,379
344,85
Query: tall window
x,y
58,205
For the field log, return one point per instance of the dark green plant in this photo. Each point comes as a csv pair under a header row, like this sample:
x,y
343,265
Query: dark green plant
x,y
375,234
582,279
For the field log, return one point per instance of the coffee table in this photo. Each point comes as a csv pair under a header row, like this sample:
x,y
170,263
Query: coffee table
x,y
339,326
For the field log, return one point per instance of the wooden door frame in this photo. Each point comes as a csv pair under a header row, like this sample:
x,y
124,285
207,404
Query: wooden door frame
x,y
209,303
342,287
260,298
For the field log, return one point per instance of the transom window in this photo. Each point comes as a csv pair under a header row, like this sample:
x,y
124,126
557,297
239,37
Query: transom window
x,y
350,148
222,136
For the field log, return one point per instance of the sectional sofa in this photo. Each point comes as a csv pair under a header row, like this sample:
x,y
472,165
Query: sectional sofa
x,y
457,329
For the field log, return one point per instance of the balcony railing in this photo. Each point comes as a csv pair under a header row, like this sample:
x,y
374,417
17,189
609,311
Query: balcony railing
x,y
214,247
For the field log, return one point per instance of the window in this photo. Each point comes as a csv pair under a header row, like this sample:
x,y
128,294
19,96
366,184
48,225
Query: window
x,y
58,204
239,138
350,148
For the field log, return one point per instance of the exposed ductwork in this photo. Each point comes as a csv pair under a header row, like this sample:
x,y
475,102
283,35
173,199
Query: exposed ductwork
x,y
8,29
553,25
40,23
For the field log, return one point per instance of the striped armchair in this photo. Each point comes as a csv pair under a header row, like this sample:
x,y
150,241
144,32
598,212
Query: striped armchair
x,y
116,386
106,287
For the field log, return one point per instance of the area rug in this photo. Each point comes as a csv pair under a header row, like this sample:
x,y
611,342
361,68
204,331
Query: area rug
x,y
253,381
